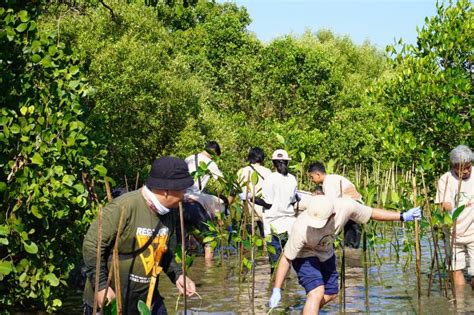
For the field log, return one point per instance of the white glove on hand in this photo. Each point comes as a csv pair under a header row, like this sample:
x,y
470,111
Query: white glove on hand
x,y
412,214
275,298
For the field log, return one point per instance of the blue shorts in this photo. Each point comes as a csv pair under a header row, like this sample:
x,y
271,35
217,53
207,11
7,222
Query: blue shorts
x,y
313,273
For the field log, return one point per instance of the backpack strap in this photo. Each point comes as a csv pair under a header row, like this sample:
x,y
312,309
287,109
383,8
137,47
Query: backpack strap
x,y
260,175
144,247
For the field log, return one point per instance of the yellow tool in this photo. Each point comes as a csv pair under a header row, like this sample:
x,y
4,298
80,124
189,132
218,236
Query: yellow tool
x,y
160,250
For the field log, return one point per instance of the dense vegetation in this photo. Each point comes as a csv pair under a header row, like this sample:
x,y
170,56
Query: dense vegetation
x,y
84,87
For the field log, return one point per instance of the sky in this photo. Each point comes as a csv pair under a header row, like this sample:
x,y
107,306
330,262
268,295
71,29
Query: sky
x,y
381,22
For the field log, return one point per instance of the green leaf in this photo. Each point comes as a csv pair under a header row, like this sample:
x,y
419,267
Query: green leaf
x,y
448,220
208,239
30,248
37,159
22,27
6,267
111,308
3,186
395,197
23,16
143,308
57,303
15,129
4,230
458,212
68,180
280,138
73,70
52,50
271,250
36,58
254,178
4,241
24,110
52,279
35,211
32,26
101,170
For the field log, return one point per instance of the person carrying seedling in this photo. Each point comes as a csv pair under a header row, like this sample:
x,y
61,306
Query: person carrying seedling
x,y
279,196
310,247
142,214
196,193
255,158
335,186
456,191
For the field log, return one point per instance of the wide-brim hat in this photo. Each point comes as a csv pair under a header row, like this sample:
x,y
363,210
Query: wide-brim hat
x,y
319,210
281,154
169,173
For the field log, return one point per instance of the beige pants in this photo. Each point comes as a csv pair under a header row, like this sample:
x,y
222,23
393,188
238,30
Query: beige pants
x,y
461,251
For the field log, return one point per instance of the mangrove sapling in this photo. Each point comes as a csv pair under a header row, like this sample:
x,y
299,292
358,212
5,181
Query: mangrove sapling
x,y
115,271
254,179
243,226
183,254
417,243
342,296
136,180
126,182
434,237
107,189
97,262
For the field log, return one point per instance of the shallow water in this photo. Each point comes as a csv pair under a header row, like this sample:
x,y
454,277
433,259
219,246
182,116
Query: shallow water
x,y
391,289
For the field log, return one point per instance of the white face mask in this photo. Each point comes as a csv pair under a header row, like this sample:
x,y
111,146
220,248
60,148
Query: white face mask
x,y
162,210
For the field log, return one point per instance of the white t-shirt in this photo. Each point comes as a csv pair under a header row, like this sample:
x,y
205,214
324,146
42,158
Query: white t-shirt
x,y
465,221
306,241
211,166
243,176
279,191
332,187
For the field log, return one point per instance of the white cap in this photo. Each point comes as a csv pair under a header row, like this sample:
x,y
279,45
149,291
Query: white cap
x,y
280,154
319,210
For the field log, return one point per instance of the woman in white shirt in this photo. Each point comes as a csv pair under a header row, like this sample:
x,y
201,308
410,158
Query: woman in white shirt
x,y
279,196
255,158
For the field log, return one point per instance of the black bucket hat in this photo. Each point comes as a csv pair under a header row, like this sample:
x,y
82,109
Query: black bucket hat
x,y
169,173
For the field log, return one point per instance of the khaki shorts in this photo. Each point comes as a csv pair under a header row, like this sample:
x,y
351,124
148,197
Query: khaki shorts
x,y
462,251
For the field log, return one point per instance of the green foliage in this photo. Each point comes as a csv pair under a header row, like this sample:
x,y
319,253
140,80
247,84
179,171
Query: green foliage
x,y
45,151
430,94
145,89
143,308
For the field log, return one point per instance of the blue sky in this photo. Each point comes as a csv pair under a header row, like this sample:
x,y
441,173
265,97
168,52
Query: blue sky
x,y
379,21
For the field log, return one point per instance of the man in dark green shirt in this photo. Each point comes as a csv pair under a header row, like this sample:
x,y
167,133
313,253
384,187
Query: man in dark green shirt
x,y
144,210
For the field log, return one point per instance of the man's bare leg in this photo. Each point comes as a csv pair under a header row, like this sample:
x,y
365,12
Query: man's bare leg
x,y
458,277
313,301
326,299
208,253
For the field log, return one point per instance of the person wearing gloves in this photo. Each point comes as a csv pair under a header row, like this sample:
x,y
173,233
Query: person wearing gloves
x,y
335,186
144,212
255,158
310,247
279,196
458,182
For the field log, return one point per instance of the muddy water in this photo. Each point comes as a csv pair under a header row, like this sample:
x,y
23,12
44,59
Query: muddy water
x,y
391,289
